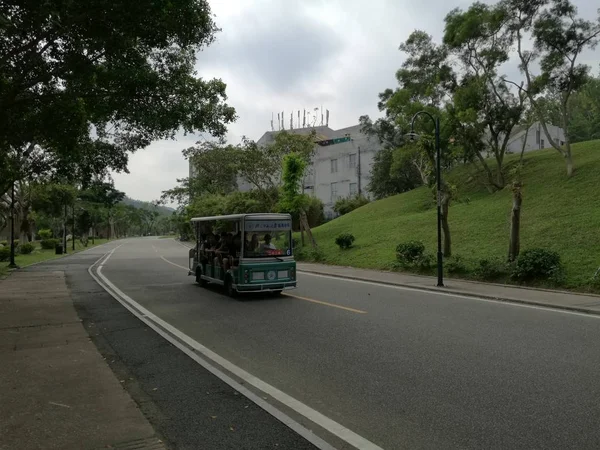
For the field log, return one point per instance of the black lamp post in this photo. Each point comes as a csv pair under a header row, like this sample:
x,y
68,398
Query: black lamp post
x,y
440,261
12,263
73,228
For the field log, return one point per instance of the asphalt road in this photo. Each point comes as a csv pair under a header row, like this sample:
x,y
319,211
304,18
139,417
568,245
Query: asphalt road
x,y
190,408
401,368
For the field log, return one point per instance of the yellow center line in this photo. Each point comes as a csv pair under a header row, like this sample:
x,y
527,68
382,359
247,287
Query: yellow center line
x,y
333,305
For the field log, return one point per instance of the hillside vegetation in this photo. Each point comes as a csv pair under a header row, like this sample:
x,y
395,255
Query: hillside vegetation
x,y
558,214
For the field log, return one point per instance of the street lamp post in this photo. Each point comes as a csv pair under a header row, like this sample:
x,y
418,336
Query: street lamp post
x,y
436,121
73,228
12,263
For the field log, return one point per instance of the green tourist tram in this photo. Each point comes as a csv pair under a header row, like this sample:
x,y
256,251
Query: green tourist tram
x,y
244,252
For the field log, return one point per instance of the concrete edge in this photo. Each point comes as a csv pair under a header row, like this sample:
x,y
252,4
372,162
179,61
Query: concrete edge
x,y
463,293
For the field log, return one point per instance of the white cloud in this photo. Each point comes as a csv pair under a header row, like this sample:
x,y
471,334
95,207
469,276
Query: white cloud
x,y
284,55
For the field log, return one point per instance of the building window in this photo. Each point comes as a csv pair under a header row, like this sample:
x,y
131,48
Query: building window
x,y
562,143
537,136
352,161
543,145
334,166
334,192
353,189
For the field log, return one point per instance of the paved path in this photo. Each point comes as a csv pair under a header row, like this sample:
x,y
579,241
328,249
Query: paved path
x,y
57,392
398,367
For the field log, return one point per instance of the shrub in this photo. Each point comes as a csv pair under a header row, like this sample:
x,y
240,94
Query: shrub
x,y
309,254
26,248
45,234
409,252
538,264
491,269
4,243
344,240
348,204
7,243
456,265
4,253
49,244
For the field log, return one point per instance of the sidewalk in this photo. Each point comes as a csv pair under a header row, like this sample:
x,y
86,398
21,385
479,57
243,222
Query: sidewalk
x,y
540,297
57,391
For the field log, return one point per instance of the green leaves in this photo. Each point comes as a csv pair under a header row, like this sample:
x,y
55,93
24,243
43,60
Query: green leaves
x,y
87,83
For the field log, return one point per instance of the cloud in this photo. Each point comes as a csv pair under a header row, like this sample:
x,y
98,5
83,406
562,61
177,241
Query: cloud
x,y
290,55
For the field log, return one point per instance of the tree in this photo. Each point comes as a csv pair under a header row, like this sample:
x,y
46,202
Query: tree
x,y
559,39
54,199
82,84
484,108
393,171
292,201
584,110
262,166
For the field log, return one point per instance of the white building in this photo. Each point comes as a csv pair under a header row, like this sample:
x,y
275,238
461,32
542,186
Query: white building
x,y
534,138
341,165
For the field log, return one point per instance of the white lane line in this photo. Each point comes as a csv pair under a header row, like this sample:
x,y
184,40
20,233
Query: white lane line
x,y
176,337
448,294
173,264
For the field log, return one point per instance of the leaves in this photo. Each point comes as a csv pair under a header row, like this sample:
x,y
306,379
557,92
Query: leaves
x,y
87,83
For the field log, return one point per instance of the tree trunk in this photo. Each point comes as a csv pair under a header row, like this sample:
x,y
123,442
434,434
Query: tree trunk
x,y
488,172
569,161
304,224
524,145
514,245
445,203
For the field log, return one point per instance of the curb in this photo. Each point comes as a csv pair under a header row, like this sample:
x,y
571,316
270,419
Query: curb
x,y
462,293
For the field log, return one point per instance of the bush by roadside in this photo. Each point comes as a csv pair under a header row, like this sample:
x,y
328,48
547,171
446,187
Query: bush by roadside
x,y
26,248
344,240
49,244
4,253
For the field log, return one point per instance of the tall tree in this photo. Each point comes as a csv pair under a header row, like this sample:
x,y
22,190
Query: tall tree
x,y
584,111
484,108
559,39
292,200
83,84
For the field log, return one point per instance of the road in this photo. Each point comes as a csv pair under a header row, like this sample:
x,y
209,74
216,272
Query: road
x,y
399,368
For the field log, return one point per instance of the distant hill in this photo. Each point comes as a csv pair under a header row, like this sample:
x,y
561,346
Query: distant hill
x,y
163,210
558,213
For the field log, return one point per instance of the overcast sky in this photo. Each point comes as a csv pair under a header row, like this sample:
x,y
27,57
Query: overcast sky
x,y
290,55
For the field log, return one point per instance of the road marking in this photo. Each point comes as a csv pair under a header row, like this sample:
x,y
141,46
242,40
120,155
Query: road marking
x,y
193,348
448,294
333,305
173,264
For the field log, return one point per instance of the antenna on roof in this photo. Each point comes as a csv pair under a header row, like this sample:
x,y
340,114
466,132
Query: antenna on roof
x,y
272,127
327,117
278,122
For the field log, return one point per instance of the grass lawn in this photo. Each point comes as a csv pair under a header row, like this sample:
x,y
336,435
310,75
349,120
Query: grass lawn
x,y
40,255
558,213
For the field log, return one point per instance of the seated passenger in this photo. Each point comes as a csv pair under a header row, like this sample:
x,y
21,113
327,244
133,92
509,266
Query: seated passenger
x,y
267,245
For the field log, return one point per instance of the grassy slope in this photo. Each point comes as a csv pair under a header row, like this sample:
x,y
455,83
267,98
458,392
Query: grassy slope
x,y
557,213
40,255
